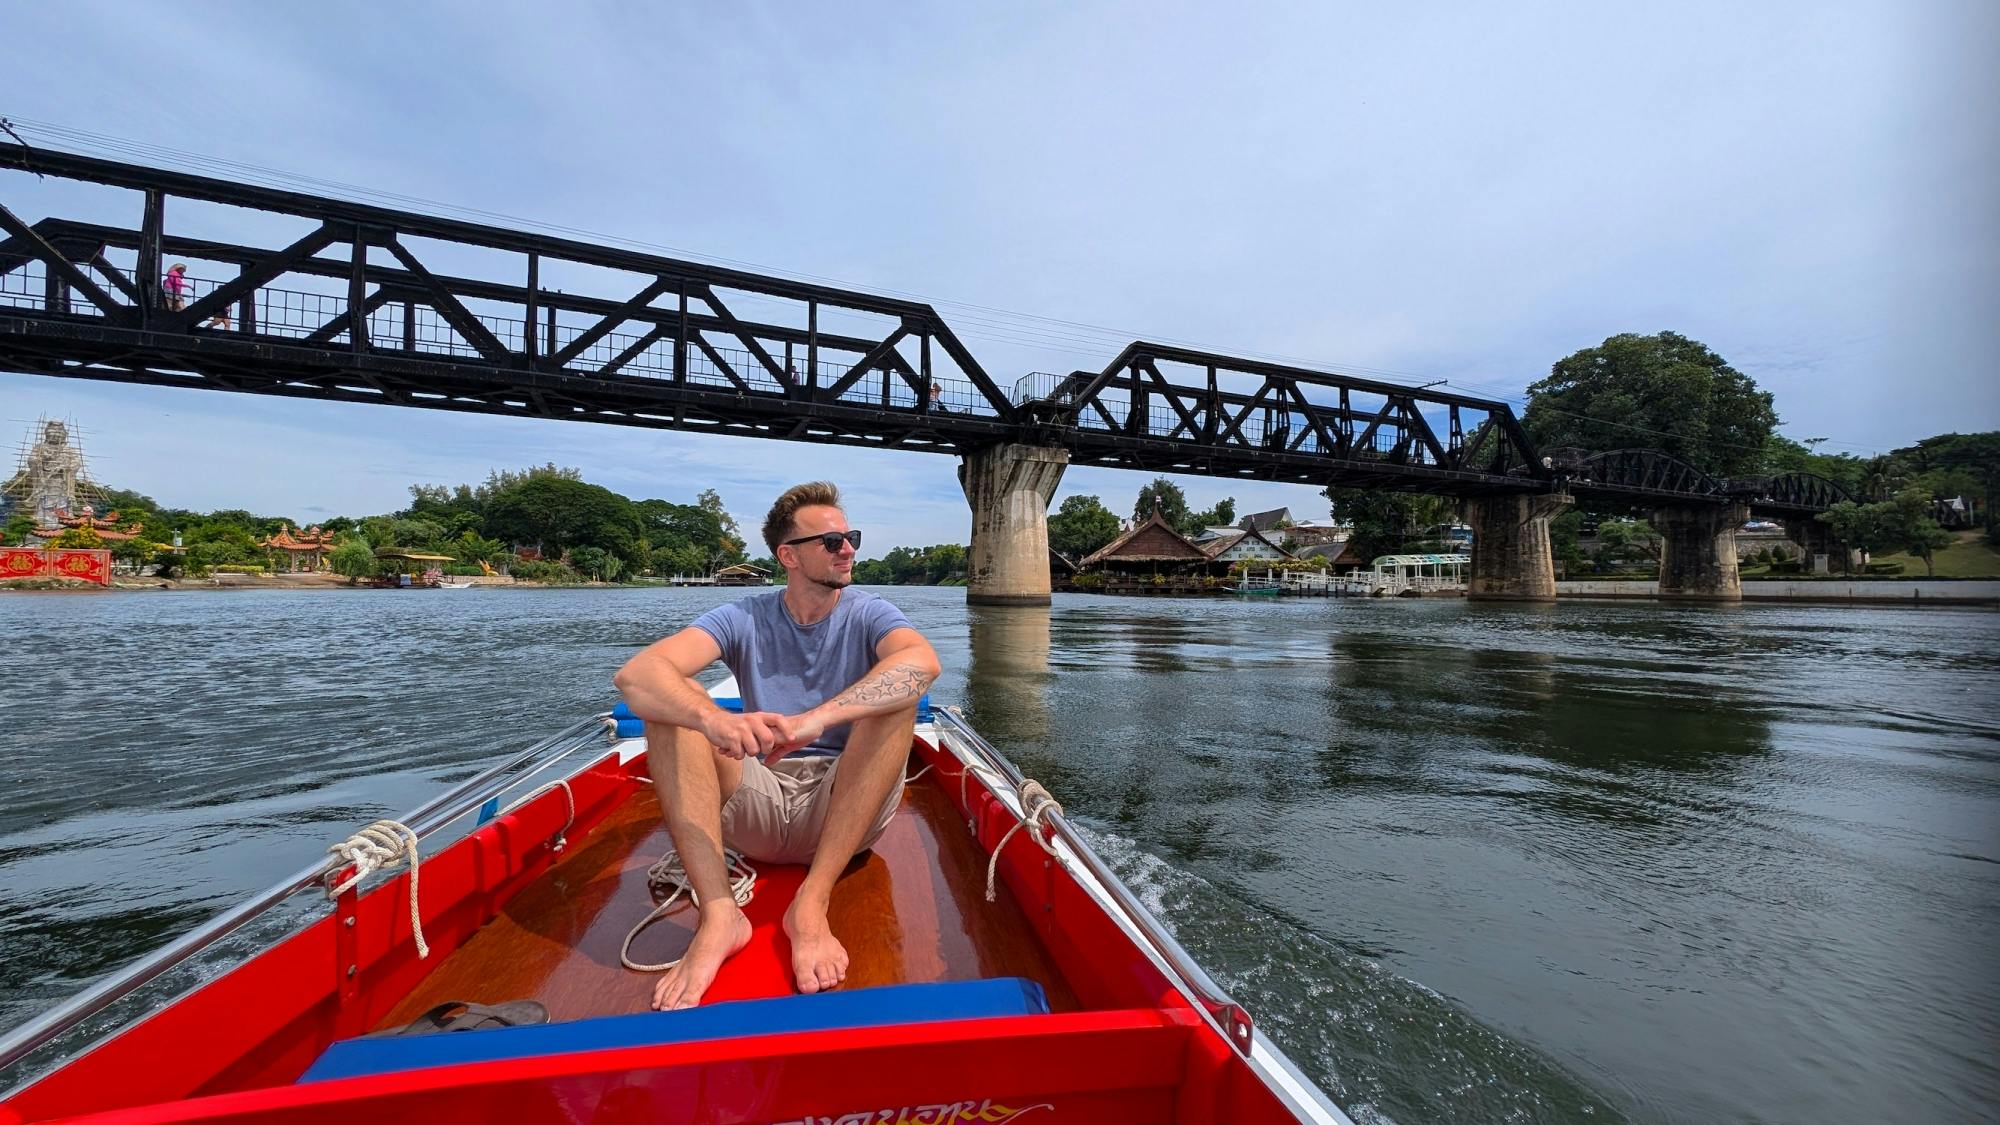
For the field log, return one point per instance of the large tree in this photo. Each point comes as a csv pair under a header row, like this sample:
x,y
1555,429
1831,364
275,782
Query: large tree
x,y
1081,525
1222,515
1949,463
555,513
1663,392
1385,523
1167,497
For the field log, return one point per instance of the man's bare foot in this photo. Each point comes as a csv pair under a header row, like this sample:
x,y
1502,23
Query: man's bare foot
x,y
723,930
819,961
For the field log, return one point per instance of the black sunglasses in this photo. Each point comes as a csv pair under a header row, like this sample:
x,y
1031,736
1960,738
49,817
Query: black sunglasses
x,y
830,540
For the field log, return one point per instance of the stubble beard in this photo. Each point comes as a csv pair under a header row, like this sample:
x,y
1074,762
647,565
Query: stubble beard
x,y
835,582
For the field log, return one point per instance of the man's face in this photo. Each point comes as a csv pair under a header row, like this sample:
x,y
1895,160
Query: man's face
x,y
812,561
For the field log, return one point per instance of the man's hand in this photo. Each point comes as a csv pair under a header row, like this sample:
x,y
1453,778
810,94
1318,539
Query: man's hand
x,y
754,734
799,732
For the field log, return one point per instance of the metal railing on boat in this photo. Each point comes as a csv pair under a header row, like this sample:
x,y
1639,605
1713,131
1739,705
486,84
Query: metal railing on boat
x,y
426,819
1225,1015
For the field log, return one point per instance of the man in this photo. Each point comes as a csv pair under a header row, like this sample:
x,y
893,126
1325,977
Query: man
x,y
812,770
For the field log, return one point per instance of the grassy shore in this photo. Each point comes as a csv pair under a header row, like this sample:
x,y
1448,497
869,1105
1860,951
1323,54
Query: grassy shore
x,y
1970,557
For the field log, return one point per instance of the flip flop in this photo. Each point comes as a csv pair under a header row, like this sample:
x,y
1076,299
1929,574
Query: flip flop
x,y
458,1015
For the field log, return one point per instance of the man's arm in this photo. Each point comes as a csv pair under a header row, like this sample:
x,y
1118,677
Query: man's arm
x,y
659,687
905,667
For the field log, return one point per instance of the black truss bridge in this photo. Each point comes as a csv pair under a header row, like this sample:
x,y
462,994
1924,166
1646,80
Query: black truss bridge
x,y
355,303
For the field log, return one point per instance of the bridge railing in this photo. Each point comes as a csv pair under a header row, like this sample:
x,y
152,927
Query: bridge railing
x,y
1274,429
409,327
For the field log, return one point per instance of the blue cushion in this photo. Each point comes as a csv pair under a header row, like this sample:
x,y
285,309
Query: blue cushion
x,y
861,1007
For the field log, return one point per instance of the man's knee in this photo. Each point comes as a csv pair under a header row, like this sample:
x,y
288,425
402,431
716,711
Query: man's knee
x,y
672,741
670,750
902,721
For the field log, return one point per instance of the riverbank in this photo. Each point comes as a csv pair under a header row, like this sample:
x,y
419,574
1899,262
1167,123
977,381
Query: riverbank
x,y
1820,591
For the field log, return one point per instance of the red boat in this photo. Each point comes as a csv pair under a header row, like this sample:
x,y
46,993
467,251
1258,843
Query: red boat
x,y
1052,997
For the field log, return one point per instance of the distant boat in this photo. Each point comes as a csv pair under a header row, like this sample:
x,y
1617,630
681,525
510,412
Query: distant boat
x,y
463,584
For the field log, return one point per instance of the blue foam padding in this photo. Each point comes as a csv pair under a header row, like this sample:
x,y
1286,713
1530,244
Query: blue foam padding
x,y
826,1011
623,714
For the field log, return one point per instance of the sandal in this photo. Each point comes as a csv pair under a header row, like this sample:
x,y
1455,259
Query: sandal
x,y
458,1015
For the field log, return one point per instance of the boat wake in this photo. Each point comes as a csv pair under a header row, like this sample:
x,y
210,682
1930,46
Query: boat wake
x,y
1386,1048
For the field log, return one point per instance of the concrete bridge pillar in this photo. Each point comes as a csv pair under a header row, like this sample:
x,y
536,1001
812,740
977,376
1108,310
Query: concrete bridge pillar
x,y
1822,552
1511,561
1009,487
1698,552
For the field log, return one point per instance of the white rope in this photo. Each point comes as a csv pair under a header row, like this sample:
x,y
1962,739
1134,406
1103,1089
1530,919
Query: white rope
x,y
1035,804
569,818
919,773
379,847
670,875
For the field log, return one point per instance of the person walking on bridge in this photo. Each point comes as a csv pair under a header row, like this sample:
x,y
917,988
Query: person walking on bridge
x,y
175,285
812,769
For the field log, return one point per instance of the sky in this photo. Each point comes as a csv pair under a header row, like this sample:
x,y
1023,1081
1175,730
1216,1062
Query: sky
x,y
1459,192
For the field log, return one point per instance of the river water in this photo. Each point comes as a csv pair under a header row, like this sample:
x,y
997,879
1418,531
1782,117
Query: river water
x,y
1592,862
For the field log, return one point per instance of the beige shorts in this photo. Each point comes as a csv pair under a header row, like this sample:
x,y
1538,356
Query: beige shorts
x,y
778,811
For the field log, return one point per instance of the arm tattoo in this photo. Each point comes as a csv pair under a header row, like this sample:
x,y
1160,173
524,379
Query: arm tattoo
x,y
891,685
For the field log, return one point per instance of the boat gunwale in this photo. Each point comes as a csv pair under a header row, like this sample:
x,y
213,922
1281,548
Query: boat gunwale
x,y
948,735
1276,1070
424,821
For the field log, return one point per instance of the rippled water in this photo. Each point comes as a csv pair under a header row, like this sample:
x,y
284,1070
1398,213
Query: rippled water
x,y
1466,863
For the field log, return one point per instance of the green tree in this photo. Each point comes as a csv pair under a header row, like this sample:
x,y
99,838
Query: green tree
x,y
1951,460
731,544
78,539
1222,515
1164,495
555,513
1564,532
1621,539
944,562
1663,392
135,552
353,558
1911,525
470,547
1386,523
1081,525
18,526
1783,455
1862,527
596,562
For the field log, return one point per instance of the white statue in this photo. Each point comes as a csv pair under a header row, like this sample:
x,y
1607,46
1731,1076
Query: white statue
x,y
49,477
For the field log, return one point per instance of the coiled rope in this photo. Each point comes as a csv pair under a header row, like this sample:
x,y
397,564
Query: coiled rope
x,y
1035,804
669,875
379,847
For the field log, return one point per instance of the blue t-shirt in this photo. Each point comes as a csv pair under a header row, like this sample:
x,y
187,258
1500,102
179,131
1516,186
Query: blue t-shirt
x,y
783,666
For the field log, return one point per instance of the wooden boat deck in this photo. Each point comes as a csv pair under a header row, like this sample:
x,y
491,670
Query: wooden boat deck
x,y
911,910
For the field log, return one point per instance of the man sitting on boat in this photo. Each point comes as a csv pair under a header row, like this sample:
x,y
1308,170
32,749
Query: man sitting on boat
x,y
812,769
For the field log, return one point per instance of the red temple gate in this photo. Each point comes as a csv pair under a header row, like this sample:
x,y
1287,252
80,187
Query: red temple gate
x,y
76,565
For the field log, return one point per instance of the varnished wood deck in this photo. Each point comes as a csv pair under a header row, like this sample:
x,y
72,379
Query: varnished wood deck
x,y
912,910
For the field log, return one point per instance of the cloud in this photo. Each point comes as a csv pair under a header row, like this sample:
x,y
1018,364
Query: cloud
x,y
1466,194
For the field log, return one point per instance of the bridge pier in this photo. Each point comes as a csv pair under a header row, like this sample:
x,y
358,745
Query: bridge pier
x,y
1698,552
1511,560
1823,553
1009,487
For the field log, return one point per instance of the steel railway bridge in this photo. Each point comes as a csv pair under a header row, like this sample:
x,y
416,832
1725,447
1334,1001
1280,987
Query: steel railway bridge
x,y
349,302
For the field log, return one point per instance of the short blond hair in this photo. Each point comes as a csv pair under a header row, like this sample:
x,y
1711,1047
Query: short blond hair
x,y
780,523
